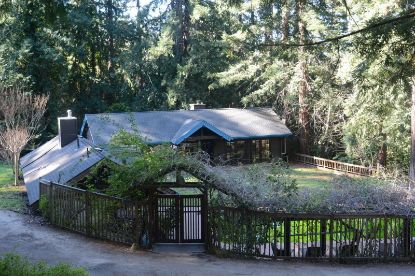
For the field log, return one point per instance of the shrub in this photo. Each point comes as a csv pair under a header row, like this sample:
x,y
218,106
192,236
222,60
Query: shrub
x,y
16,265
44,205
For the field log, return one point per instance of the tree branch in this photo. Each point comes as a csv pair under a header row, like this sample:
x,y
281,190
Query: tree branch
x,y
398,19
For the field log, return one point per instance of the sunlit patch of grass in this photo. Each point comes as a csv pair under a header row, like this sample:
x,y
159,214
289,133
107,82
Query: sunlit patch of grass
x,y
11,197
305,176
311,177
6,175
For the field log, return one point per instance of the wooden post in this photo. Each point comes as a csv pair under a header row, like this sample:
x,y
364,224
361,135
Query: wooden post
x,y
385,238
406,236
178,211
136,222
331,230
287,237
51,204
205,220
152,218
88,219
323,229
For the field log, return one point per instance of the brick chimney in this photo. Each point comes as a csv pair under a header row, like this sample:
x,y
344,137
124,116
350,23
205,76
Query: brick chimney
x,y
68,129
198,105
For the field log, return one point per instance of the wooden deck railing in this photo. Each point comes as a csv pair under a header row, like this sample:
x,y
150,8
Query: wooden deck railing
x,y
335,165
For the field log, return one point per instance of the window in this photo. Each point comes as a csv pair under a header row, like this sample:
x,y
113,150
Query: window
x,y
190,147
248,151
265,153
284,146
235,150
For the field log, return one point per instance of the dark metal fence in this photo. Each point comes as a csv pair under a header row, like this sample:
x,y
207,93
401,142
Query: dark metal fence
x,y
94,214
272,235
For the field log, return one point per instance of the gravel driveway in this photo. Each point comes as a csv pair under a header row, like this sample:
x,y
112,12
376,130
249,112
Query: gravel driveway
x,y
20,233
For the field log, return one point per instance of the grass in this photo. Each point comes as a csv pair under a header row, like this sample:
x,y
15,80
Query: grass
x,y
11,197
307,176
6,175
15,265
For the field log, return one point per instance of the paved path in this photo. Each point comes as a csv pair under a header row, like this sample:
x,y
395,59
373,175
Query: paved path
x,y
20,234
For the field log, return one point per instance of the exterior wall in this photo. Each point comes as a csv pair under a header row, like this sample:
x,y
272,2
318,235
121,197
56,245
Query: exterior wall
x,y
241,151
275,147
219,147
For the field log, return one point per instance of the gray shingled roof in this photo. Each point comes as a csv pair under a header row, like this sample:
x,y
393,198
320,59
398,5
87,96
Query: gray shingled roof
x,y
174,126
53,163
60,165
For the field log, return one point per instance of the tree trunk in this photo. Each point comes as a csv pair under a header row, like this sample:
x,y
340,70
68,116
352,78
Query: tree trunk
x,y
412,164
178,47
186,27
285,21
267,16
303,89
110,26
383,153
382,156
109,95
16,168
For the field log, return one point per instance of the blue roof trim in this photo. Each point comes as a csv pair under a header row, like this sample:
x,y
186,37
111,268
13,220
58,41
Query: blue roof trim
x,y
84,122
198,126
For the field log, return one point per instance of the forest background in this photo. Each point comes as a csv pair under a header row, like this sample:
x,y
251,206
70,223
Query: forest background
x,y
339,72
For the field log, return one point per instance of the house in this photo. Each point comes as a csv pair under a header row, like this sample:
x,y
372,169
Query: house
x,y
230,134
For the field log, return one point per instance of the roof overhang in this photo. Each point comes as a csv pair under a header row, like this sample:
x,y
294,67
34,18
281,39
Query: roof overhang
x,y
191,126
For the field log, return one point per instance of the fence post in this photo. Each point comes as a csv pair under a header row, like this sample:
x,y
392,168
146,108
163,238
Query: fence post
x,y
136,222
88,219
323,237
51,203
385,237
407,236
152,217
287,237
331,230
205,219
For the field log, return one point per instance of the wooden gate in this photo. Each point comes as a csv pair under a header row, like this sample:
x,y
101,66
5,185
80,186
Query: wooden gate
x,y
180,218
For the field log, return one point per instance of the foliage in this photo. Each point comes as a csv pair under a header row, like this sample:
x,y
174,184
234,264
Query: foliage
x,y
44,205
257,185
108,56
357,195
261,186
144,165
341,194
16,265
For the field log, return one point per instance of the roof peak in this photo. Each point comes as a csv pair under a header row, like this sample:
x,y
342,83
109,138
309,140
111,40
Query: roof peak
x,y
184,110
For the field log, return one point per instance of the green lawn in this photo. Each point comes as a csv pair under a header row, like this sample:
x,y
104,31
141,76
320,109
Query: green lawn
x,y
305,175
308,176
11,197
